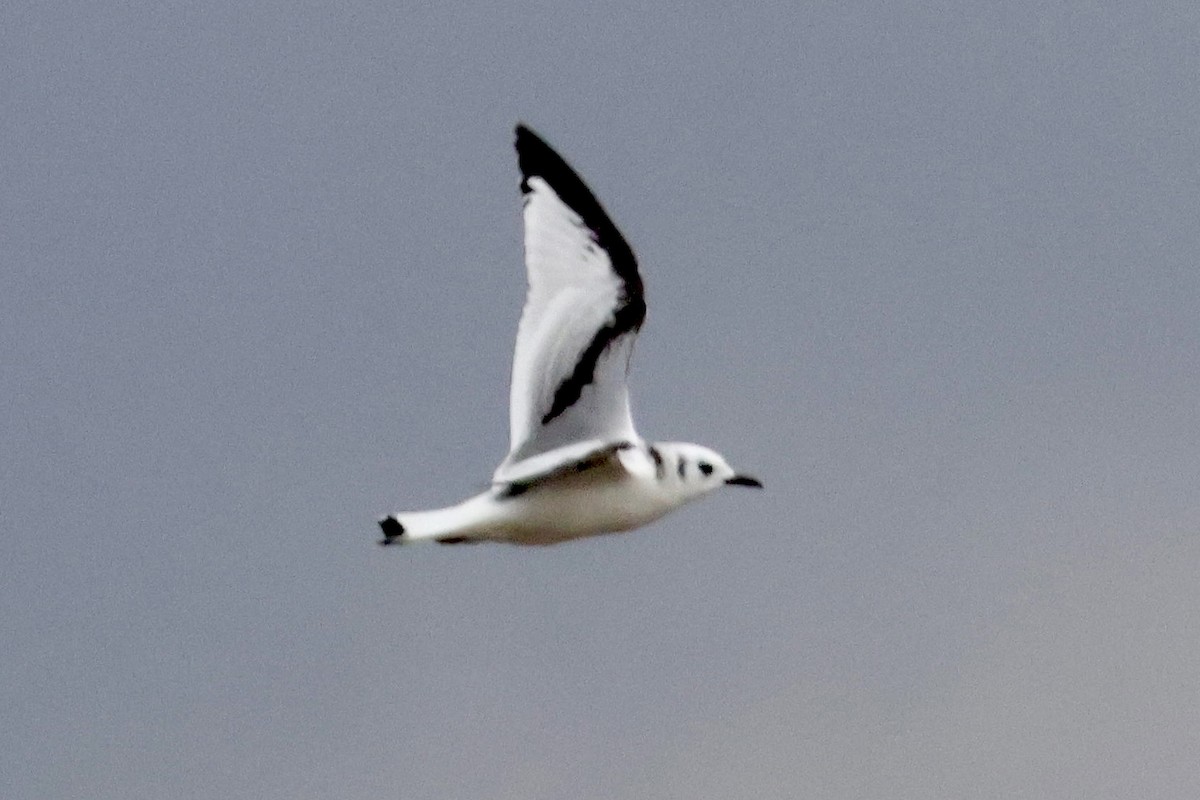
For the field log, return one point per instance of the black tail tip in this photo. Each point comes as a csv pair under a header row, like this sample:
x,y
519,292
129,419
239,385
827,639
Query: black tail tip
x,y
393,531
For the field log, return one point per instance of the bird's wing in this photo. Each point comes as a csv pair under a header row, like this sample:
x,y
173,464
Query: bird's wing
x,y
585,304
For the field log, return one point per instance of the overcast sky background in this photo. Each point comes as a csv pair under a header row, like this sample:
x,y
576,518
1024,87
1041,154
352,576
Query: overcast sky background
x,y
927,269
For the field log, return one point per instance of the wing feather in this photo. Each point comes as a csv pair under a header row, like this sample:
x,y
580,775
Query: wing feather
x,y
582,313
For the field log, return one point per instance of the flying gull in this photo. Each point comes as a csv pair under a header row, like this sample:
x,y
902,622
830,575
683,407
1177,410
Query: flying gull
x,y
576,466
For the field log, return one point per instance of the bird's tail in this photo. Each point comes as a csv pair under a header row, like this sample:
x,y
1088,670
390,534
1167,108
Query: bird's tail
x,y
460,524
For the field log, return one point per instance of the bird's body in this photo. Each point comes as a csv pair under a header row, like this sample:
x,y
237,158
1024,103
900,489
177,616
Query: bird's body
x,y
576,466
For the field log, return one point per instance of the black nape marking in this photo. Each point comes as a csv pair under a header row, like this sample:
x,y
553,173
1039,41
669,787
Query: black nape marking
x,y
659,467
392,530
538,159
682,467
706,468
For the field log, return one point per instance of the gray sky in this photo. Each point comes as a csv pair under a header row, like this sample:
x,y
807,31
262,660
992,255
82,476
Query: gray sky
x,y
927,269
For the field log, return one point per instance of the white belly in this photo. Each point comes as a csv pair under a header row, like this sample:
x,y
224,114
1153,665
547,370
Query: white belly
x,y
572,509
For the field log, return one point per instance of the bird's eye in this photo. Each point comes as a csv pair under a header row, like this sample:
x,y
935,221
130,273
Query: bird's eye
x,y
706,468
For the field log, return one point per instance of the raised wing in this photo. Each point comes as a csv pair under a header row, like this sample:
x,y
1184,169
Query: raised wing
x,y
582,314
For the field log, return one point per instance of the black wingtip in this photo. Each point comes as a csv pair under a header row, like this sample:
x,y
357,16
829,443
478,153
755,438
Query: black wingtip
x,y
525,134
536,157
393,531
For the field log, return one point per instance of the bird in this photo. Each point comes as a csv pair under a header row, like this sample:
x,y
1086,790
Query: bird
x,y
576,466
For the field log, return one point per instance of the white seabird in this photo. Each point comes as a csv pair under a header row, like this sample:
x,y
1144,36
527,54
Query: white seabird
x,y
576,466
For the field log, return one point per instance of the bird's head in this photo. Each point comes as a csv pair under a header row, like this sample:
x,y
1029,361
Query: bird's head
x,y
695,470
